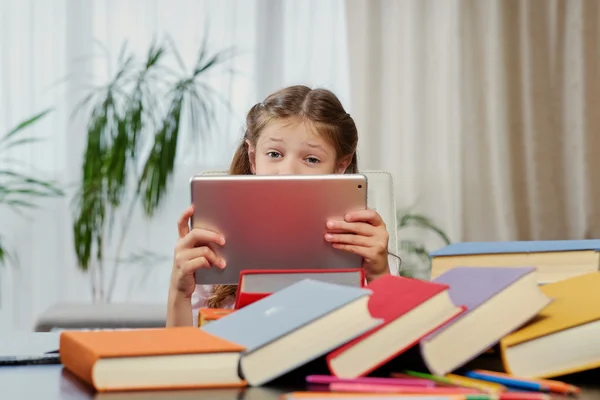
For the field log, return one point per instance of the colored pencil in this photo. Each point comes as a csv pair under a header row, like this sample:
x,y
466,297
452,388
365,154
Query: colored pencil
x,y
369,388
422,375
488,387
551,385
327,379
522,396
404,375
508,381
316,395
370,396
457,380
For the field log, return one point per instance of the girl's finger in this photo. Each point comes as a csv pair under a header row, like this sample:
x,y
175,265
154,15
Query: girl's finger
x,y
359,228
201,257
201,236
183,226
369,216
345,238
362,251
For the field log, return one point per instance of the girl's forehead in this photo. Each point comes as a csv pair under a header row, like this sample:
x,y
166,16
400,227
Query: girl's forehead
x,y
289,129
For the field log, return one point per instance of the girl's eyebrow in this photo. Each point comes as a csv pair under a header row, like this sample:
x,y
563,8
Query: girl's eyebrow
x,y
274,139
314,145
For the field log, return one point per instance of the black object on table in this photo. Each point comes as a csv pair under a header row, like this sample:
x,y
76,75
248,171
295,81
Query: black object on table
x,y
37,359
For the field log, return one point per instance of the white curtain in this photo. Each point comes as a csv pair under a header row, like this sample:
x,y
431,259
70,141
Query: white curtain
x,y
50,52
486,112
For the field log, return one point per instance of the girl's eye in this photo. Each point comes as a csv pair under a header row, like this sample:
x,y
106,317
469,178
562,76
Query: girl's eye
x,y
273,154
313,160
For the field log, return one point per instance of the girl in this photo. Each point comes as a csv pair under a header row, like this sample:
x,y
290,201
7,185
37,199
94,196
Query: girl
x,y
296,130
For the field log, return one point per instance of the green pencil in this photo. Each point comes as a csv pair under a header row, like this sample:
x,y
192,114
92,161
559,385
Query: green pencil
x,y
441,379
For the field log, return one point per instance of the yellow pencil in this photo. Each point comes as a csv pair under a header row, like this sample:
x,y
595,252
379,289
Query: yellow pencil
x,y
489,387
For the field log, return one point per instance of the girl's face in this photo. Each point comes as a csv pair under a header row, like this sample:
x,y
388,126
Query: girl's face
x,y
291,147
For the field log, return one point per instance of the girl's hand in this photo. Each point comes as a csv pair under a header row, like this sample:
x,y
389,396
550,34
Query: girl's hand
x,y
363,233
191,253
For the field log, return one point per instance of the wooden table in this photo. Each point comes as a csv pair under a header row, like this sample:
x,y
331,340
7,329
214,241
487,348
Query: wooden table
x,y
52,382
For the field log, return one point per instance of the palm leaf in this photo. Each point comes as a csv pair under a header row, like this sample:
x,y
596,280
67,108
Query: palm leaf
x,y
20,142
187,90
144,257
424,222
17,189
3,252
416,254
133,135
23,125
412,247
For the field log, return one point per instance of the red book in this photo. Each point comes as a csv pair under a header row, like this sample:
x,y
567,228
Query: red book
x,y
410,308
257,284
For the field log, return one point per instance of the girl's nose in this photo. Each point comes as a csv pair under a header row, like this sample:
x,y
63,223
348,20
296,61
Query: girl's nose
x,y
288,168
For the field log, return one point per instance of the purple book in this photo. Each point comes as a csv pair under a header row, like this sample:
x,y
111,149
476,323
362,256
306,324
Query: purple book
x,y
473,286
498,300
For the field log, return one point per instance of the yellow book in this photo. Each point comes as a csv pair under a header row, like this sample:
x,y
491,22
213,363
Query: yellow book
x,y
565,336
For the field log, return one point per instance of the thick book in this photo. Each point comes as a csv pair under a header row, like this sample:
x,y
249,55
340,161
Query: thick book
x,y
151,359
294,326
410,309
554,259
564,338
498,300
257,284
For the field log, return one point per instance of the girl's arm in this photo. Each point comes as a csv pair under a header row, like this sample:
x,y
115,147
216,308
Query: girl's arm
x,y
183,311
179,311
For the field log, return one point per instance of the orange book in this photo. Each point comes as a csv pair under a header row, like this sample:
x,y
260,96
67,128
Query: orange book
x,y
150,359
206,315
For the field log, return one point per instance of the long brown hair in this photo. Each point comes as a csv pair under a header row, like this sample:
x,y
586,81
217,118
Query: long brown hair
x,y
321,108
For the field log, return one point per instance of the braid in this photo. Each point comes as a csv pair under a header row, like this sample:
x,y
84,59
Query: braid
x,y
220,294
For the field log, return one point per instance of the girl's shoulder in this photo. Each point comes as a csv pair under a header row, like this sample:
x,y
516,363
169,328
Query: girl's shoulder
x,y
202,292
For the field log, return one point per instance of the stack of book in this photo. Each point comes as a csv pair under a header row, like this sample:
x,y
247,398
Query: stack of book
x,y
360,334
554,260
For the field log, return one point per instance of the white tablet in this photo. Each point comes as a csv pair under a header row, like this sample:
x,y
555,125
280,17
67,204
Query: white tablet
x,y
274,222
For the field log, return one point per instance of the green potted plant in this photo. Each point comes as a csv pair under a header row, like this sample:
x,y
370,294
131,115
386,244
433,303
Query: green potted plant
x,y
416,262
19,190
133,138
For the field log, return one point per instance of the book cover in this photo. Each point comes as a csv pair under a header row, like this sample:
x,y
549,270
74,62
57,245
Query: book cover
x,y
567,328
81,352
574,303
532,246
283,312
392,298
255,285
473,286
207,315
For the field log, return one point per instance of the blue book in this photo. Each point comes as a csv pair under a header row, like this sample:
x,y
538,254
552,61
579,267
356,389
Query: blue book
x,y
532,246
294,326
553,259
